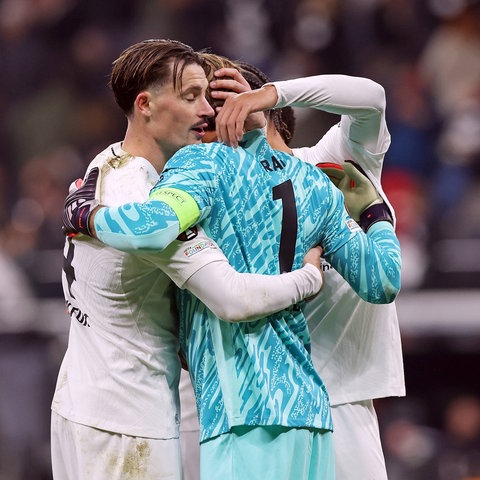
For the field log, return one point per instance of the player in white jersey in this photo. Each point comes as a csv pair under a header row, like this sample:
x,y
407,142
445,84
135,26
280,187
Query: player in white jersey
x,y
356,346
115,410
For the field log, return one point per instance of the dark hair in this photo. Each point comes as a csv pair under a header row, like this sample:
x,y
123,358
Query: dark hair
x,y
283,118
148,63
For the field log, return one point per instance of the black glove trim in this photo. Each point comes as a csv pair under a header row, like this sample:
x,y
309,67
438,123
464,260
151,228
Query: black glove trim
x,y
373,214
79,205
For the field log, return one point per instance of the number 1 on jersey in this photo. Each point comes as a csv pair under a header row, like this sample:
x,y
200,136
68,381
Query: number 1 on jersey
x,y
288,236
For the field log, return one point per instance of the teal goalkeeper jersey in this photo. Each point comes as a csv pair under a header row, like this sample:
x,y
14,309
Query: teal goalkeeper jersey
x,y
265,209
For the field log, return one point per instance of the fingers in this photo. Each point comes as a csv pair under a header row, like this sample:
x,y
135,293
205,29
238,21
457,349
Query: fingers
x,y
75,185
230,121
91,179
232,116
313,256
228,82
231,79
334,171
355,171
354,176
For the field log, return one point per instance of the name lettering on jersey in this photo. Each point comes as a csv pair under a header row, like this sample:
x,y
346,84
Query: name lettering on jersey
x,y
199,247
77,314
273,164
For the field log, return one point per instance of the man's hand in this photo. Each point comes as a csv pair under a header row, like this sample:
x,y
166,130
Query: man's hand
x,y
362,200
231,120
229,83
80,204
314,256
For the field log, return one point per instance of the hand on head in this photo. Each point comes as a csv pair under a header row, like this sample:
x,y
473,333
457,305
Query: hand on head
x,y
226,82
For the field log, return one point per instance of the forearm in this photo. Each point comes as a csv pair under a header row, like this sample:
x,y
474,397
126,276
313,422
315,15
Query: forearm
x,y
148,226
236,297
361,101
137,226
340,94
371,263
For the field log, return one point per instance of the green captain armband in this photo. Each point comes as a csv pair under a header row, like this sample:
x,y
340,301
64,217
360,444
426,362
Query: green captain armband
x,y
181,202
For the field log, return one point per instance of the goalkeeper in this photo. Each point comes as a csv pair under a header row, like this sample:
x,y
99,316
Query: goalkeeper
x,y
356,346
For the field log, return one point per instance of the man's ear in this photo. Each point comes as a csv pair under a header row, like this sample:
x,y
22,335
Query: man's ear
x,y
142,103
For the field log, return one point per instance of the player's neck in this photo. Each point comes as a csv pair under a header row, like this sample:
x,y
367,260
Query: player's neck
x,y
142,146
276,141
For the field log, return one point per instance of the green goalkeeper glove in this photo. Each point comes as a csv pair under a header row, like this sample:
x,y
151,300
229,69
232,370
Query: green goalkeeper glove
x,y
362,200
333,171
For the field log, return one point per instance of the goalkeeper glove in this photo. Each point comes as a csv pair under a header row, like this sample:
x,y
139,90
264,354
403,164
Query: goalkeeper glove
x,y
334,171
80,204
362,200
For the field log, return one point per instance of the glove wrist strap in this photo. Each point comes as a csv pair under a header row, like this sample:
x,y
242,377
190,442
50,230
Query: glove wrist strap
x,y
375,213
84,218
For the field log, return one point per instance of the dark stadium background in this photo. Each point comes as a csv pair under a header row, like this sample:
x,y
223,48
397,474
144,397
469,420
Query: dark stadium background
x,y
57,113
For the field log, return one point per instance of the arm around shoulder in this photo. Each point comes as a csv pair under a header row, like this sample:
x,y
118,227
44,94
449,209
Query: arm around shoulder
x,y
242,297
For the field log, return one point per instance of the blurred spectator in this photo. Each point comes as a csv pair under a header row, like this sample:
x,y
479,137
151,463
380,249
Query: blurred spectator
x,y
410,444
408,164
25,379
450,66
459,455
33,236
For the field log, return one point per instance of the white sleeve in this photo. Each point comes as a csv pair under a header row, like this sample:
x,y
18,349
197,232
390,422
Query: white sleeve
x,y
360,102
361,135
236,297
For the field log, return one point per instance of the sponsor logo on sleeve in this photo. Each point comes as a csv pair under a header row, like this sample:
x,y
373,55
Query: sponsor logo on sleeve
x,y
199,247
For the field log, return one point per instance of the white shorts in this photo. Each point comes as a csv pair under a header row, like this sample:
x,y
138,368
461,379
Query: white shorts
x,y
85,453
356,442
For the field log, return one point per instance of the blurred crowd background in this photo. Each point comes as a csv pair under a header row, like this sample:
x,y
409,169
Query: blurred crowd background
x,y
57,113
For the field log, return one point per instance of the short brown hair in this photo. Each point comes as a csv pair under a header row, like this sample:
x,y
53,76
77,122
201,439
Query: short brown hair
x,y
147,63
213,62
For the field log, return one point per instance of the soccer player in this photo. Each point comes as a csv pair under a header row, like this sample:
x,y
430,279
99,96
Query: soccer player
x,y
356,346
254,382
115,408
343,326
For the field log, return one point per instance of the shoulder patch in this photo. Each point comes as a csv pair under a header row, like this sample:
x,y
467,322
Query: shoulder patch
x,y
199,247
352,225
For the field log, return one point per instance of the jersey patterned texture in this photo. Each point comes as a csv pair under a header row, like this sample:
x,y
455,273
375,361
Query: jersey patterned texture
x,y
265,209
257,373
356,346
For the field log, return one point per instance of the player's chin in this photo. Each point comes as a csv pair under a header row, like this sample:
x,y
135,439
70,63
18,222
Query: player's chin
x,y
198,135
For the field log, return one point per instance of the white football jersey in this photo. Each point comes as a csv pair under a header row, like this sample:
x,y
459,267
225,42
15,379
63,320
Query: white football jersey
x,y
121,368
356,346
